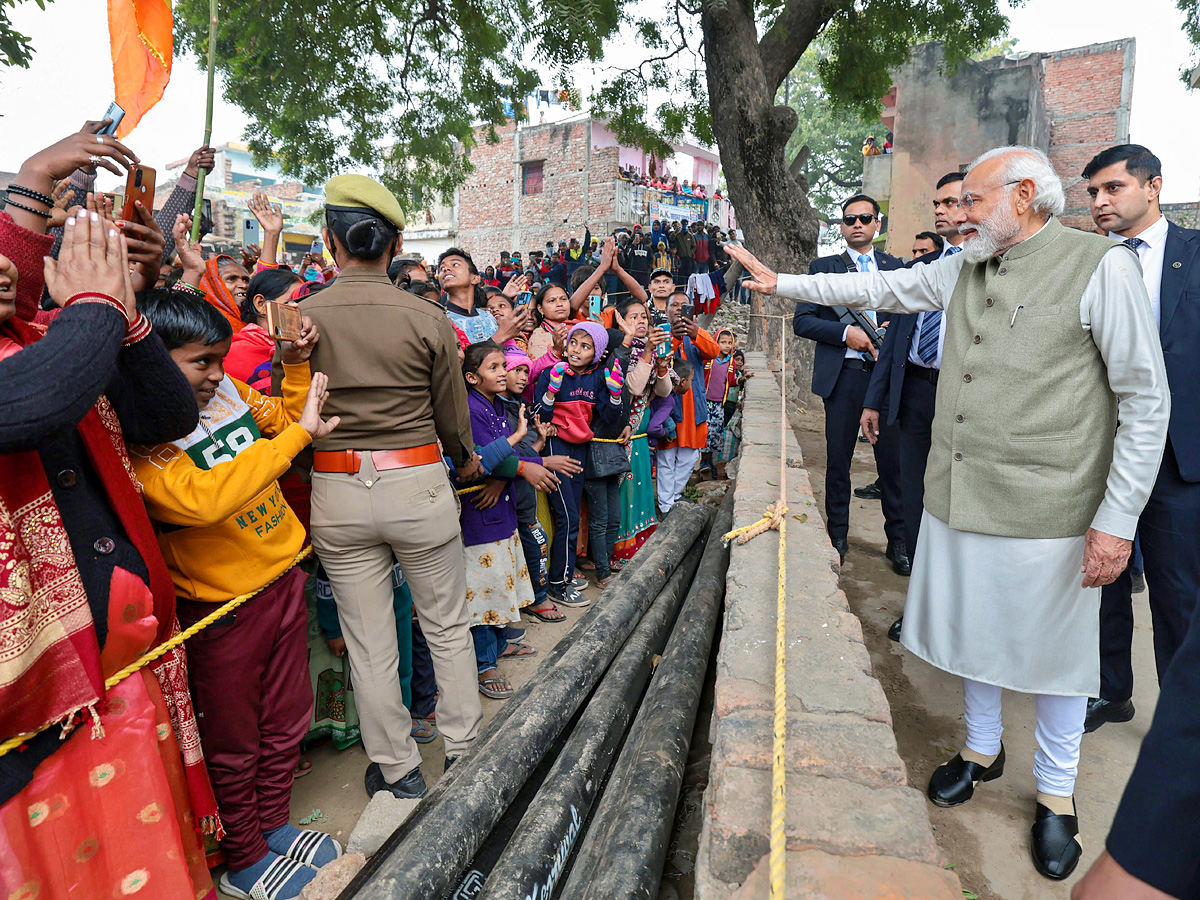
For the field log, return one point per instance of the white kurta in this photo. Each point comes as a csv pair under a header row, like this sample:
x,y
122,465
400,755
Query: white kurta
x,y
1011,611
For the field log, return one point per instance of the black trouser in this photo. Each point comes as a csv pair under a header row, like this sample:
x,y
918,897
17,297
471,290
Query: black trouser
x,y
843,410
1169,529
915,424
687,265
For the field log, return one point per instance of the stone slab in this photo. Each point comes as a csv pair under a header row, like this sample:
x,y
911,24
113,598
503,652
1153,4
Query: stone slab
x,y
383,815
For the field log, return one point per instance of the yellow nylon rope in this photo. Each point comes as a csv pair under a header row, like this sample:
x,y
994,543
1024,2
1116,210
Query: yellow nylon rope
x,y
775,519
166,646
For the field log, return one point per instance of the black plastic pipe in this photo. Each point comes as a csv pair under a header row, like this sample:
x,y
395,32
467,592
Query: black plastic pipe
x,y
622,855
425,855
537,852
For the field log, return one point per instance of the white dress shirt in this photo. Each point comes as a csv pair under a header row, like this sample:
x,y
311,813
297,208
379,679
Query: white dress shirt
x,y
915,358
1151,254
872,266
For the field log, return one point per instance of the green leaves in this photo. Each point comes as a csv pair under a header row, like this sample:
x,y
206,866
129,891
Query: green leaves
x,y
15,49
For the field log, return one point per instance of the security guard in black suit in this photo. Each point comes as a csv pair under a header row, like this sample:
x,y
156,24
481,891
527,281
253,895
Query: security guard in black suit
x,y
845,357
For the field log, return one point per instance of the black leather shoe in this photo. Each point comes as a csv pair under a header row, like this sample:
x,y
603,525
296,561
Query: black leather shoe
x,y
1101,711
1138,584
1054,848
898,555
871,492
450,760
954,783
410,787
894,631
842,547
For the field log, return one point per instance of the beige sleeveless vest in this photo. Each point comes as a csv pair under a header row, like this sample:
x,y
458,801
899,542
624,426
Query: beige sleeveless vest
x,y
1023,435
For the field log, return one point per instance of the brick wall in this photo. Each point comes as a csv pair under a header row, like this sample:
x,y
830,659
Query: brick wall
x,y
1087,94
578,187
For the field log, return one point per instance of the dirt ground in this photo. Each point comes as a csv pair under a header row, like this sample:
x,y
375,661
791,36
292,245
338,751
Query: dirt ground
x,y
333,789
987,839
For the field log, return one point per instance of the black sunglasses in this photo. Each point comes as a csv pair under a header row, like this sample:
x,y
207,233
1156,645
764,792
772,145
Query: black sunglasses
x,y
865,218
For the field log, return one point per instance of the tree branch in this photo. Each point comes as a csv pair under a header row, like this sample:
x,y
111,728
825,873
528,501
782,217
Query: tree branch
x,y
783,45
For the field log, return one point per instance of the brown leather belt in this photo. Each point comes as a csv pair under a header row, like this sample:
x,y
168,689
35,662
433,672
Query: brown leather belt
x,y
348,462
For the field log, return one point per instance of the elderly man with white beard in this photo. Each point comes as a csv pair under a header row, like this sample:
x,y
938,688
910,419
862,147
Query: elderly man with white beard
x,y
1035,475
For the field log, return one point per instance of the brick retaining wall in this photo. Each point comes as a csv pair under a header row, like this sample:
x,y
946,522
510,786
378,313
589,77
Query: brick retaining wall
x,y
854,827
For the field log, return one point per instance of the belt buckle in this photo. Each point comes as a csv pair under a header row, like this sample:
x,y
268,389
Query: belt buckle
x,y
353,462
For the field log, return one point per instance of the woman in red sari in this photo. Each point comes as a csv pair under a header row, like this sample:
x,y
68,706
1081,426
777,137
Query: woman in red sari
x,y
110,796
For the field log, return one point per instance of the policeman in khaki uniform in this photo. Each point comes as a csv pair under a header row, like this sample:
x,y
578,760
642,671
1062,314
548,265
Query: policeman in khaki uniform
x,y
379,484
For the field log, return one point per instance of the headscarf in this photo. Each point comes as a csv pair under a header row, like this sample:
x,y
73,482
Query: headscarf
x,y
216,292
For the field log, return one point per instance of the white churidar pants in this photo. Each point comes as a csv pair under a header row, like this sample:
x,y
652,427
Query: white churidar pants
x,y
1059,732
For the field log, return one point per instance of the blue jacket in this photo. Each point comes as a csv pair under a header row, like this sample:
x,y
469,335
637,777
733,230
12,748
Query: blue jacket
x,y
689,351
887,379
818,323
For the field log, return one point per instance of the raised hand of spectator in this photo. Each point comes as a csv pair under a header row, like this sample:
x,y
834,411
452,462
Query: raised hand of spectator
x,y
556,378
146,243
310,418
615,380
608,254
561,331
293,353
202,158
82,150
93,258
250,257
270,216
544,429
62,194
515,285
189,254
513,325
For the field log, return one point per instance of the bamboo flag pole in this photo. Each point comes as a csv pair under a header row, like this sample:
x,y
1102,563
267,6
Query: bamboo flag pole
x,y
212,58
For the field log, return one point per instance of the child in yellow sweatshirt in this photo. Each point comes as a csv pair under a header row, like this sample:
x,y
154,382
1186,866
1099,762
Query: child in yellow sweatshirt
x,y
225,530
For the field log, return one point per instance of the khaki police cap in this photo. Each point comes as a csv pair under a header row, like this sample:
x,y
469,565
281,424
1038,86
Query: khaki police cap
x,y
360,193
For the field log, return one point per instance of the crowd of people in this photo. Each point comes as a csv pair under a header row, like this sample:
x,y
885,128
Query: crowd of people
x,y
459,447
679,247
1032,407
671,185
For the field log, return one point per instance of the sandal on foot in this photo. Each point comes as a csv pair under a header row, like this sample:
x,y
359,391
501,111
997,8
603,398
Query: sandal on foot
x,y
543,614
303,767
423,730
585,565
308,846
281,879
516,651
495,688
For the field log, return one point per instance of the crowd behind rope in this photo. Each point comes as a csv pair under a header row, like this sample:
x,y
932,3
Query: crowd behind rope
x,y
465,447
462,448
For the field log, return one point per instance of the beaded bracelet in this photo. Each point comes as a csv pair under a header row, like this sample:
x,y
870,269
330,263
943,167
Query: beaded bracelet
x,y
31,194
29,209
185,288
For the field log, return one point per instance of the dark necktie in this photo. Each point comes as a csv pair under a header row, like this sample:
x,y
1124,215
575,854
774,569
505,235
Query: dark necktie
x,y
1133,244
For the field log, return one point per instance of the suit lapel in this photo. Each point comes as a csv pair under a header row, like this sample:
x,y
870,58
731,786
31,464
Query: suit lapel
x,y
1177,261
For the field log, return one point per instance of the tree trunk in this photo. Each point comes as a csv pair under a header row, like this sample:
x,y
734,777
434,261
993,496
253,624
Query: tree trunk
x,y
778,224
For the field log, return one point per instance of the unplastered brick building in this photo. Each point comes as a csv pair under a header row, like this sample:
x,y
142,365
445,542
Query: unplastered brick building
x,y
544,183
1069,103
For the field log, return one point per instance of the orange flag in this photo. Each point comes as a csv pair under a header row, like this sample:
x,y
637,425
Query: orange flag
x,y
141,32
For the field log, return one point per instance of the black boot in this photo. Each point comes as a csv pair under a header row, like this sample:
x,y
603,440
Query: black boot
x,y
898,555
